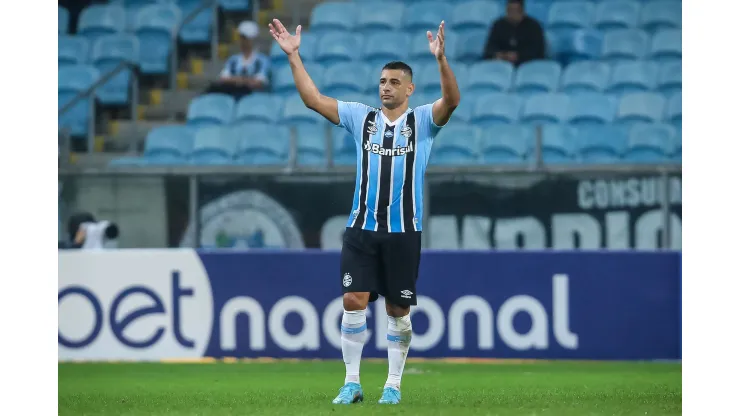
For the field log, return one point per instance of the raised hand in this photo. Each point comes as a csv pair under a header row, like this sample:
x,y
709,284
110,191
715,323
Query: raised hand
x,y
288,43
437,45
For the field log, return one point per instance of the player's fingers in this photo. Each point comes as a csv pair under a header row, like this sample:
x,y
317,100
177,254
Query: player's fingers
x,y
429,36
298,30
279,25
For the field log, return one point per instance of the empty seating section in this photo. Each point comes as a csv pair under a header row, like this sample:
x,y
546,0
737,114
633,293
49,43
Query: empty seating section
x,y
608,92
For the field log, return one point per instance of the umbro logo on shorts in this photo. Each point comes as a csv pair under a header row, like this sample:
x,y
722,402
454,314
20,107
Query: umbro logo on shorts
x,y
406,294
347,280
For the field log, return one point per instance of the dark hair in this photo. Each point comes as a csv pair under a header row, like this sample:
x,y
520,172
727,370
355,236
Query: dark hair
x,y
400,65
520,2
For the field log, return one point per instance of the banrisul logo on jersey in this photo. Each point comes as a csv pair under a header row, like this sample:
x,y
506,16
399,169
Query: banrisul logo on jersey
x,y
396,151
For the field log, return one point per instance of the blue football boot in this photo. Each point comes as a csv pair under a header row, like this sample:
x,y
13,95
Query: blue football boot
x,y
390,396
348,394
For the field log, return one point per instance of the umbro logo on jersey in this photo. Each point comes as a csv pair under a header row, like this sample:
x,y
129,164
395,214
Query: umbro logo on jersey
x,y
371,128
396,151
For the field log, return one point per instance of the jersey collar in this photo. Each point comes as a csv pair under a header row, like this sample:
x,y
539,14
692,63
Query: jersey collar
x,y
393,123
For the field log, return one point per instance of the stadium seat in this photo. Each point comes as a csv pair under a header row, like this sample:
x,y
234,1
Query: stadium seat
x,y
674,109
63,20
463,112
344,151
383,47
651,143
545,109
471,46
418,99
666,45
198,30
338,47
278,58
168,145
585,76
333,16
211,109
259,108
625,44
537,9
375,18
661,14
420,17
108,53
456,144
622,14
566,16
74,79
591,108
261,144
580,45
419,47
641,107
426,79
345,78
235,5
311,145
283,83
296,113
634,76
490,76
98,20
601,143
504,144
213,145
471,16
496,108
669,77
155,27
73,50
558,143
537,76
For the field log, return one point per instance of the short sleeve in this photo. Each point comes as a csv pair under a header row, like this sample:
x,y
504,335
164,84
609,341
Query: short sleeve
x,y
425,121
351,115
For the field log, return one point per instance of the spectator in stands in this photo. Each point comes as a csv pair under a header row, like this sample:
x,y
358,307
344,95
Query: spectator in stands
x,y
246,72
516,37
85,232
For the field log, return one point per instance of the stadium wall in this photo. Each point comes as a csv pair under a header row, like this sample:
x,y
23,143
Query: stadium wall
x,y
181,304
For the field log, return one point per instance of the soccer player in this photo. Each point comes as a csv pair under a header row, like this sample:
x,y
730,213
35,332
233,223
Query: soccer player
x,y
382,242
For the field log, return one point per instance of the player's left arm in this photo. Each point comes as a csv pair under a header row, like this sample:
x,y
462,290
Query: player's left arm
x,y
443,108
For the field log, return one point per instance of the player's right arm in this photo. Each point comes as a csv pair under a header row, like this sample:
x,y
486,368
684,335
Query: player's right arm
x,y
312,98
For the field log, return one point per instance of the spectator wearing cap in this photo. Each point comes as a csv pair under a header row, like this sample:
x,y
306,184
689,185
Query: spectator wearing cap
x,y
516,37
247,71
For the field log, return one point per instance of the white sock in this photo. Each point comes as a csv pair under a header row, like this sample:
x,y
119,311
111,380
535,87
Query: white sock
x,y
354,335
399,339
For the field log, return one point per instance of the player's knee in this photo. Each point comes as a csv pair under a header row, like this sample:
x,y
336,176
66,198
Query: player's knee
x,y
355,301
397,311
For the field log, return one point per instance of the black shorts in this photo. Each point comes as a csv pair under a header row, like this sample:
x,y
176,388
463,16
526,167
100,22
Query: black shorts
x,y
381,263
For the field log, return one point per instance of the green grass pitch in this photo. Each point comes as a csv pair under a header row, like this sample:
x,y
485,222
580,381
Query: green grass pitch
x,y
429,388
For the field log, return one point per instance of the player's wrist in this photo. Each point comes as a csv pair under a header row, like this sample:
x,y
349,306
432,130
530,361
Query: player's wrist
x,y
441,58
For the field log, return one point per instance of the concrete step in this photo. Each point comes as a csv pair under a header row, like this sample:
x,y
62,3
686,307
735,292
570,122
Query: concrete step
x,y
174,104
125,135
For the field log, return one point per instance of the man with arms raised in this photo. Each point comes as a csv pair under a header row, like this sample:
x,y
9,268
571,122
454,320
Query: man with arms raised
x,y
382,243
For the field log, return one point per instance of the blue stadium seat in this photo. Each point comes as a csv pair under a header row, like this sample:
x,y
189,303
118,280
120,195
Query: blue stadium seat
x,y
108,52
591,108
296,113
490,76
625,44
471,16
504,144
580,45
651,143
463,112
666,45
73,50
641,107
471,45
632,76
379,17
259,108
345,78
278,58
585,76
538,10
424,16
418,99
661,14
213,145
74,79
261,144
537,77
558,143
344,148
427,81
669,77
338,47
167,145
622,14
566,16
496,108
456,144
419,47
383,47
98,20
63,20
155,27
311,144
545,109
211,109
198,30
235,5
601,143
674,109
283,83
333,16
